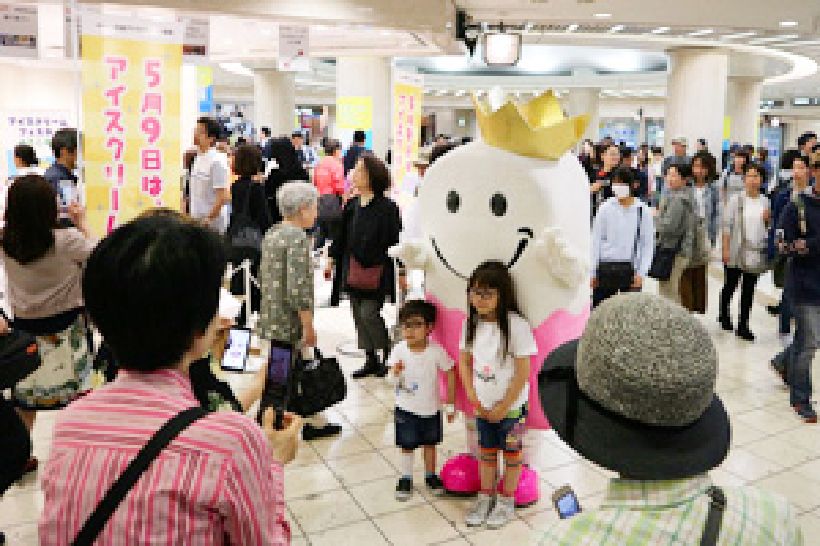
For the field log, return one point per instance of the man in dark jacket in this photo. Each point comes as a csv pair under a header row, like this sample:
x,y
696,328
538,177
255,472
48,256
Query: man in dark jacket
x,y
288,168
64,146
801,233
355,150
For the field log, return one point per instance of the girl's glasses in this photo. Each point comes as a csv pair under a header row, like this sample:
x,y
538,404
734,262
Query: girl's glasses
x,y
483,293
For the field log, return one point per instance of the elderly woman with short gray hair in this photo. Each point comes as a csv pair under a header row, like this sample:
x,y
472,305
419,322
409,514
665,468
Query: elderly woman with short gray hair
x,y
286,278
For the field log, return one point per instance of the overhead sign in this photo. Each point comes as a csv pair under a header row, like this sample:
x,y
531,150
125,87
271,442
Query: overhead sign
x,y
293,48
196,42
131,117
18,30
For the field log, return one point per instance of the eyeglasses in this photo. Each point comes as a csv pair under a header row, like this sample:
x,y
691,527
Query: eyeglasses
x,y
414,324
483,293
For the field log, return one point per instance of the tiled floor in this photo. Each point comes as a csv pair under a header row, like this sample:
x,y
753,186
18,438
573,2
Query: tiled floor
x,y
340,491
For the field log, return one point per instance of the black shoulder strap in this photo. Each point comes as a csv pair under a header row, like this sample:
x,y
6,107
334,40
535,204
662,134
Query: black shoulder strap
x,y
112,499
638,231
714,519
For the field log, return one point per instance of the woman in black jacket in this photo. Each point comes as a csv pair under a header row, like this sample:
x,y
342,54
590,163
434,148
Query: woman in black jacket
x,y
288,168
370,225
248,198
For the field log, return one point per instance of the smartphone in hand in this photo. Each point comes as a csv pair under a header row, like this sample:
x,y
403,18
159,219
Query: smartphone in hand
x,y
566,502
277,382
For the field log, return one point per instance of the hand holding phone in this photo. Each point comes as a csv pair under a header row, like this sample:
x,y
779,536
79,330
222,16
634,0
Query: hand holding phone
x,y
277,382
566,502
284,442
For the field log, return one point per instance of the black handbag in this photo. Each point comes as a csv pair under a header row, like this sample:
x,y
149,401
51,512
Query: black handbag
x,y
19,357
243,232
319,384
663,262
619,275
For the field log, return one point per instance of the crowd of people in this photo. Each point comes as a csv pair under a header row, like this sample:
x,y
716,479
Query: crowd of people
x,y
148,296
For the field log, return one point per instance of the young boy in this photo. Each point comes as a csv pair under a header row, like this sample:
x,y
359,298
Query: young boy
x,y
415,364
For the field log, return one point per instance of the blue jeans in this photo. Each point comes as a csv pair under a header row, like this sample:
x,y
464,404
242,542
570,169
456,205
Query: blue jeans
x,y
786,312
806,341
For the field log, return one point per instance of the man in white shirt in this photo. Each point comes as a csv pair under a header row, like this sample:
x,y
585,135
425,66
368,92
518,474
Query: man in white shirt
x,y
210,186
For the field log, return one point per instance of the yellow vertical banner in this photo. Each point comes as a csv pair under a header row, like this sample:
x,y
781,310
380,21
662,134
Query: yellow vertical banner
x,y
408,90
131,74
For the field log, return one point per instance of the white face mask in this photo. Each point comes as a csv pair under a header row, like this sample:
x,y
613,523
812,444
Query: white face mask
x,y
621,191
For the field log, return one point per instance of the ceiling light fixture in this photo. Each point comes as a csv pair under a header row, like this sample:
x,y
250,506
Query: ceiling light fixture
x,y
236,68
769,39
572,28
788,24
616,28
602,15
739,35
702,32
660,30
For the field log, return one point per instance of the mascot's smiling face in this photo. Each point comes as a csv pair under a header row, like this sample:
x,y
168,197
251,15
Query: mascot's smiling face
x,y
482,203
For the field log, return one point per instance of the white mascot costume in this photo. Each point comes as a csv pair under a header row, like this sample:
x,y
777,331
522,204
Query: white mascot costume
x,y
520,196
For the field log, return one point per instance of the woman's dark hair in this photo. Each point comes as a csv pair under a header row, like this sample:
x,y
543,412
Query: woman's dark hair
x,y
745,157
31,217
709,163
247,161
331,146
494,274
26,154
418,308
623,175
685,171
151,286
377,173
757,167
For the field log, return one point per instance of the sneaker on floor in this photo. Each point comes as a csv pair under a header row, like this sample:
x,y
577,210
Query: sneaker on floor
x,y
434,484
806,412
404,489
309,432
480,510
745,334
503,512
369,368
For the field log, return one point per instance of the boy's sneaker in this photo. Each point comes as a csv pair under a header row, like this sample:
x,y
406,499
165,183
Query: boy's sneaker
x,y
434,484
404,489
806,412
480,510
503,512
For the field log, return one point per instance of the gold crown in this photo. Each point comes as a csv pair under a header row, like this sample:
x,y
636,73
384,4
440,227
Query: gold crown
x,y
537,128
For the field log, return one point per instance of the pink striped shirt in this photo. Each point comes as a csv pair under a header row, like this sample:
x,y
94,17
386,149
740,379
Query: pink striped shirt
x,y
215,484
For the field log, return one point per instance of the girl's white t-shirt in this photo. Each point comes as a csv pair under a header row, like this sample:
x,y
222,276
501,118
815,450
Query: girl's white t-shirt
x,y
493,374
417,386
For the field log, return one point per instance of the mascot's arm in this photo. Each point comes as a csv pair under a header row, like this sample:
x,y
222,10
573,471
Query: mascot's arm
x,y
415,254
564,262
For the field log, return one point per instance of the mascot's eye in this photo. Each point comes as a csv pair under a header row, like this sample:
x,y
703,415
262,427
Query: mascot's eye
x,y
498,204
453,201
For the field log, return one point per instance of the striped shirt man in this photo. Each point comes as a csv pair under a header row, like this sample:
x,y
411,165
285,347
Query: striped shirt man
x,y
673,513
216,483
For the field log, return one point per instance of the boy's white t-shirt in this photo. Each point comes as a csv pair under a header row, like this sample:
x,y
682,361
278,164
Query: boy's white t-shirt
x,y
417,387
492,375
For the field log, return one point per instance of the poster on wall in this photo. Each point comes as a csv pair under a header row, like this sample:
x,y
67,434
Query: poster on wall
x,y
408,90
196,40
293,48
32,127
354,114
205,89
131,110
18,30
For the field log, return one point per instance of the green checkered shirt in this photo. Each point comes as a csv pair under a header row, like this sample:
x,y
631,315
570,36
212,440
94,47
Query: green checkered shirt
x,y
673,513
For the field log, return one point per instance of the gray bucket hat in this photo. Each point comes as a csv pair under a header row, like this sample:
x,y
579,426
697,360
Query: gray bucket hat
x,y
636,393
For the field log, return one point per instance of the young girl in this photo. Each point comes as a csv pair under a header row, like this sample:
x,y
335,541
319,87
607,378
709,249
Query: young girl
x,y
496,347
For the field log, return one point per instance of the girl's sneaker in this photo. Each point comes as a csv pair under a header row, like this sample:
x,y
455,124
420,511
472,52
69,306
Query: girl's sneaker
x,y
434,484
480,510
404,489
503,512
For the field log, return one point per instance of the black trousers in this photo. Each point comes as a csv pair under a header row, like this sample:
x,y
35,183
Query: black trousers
x,y
732,277
600,294
16,445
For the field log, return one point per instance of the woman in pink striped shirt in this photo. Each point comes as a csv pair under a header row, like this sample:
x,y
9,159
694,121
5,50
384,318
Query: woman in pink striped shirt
x,y
152,289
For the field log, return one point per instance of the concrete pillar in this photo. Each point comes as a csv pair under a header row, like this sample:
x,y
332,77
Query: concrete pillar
x,y
585,100
274,95
743,109
446,122
696,96
366,77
